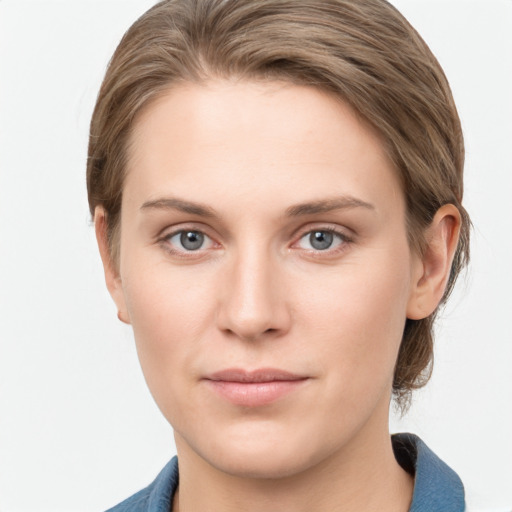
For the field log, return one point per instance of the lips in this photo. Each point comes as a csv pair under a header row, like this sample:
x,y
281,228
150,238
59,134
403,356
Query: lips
x,y
254,388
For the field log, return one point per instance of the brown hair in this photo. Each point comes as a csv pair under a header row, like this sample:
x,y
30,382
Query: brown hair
x,y
363,51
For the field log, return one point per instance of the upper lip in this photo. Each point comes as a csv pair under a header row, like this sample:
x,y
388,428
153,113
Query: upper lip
x,y
259,375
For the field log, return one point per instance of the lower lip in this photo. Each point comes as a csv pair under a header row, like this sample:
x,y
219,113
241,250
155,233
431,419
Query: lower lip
x,y
254,394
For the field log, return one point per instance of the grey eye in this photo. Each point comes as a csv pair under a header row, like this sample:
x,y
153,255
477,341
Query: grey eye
x,y
321,240
188,241
191,240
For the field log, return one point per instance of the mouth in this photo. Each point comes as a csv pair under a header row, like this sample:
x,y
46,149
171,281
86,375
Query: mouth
x,y
254,388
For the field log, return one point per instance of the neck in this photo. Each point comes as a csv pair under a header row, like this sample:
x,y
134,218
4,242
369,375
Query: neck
x,y
363,476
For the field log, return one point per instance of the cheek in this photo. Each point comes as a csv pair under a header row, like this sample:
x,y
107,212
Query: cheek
x,y
170,310
358,319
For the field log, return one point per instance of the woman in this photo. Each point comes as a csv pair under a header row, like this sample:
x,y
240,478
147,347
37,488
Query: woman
x,y
276,188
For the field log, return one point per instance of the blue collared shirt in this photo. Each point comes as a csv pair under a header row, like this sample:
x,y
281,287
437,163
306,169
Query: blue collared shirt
x,y
437,488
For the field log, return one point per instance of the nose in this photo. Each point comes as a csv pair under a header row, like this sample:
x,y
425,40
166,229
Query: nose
x,y
253,303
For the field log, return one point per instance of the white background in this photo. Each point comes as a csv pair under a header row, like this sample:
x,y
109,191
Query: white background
x,y
78,429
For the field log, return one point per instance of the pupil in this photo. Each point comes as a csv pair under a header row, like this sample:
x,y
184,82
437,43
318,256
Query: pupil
x,y
191,240
321,240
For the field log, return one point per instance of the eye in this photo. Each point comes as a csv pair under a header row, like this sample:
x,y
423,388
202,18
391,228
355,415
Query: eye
x,y
188,240
321,240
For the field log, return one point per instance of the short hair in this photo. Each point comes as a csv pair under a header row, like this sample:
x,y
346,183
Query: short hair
x,y
362,51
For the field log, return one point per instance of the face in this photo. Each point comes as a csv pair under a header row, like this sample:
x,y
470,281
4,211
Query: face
x,y
265,268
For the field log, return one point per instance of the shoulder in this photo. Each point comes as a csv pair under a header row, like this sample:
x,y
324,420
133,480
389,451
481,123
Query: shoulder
x,y
156,497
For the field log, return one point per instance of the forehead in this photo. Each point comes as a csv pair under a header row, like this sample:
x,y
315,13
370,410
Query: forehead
x,y
254,137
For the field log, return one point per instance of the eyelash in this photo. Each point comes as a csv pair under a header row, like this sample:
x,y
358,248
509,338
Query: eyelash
x,y
164,241
344,242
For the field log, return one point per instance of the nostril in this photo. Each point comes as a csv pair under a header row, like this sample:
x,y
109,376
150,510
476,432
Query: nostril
x,y
252,334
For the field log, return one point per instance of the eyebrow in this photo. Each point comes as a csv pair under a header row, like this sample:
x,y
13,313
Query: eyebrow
x,y
173,203
327,205
309,208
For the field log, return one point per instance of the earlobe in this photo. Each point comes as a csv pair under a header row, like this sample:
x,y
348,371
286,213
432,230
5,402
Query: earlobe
x,y
112,277
432,269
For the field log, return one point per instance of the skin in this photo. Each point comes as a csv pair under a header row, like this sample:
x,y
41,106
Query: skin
x,y
259,294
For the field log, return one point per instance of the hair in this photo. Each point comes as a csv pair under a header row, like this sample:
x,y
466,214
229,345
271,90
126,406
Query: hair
x,y
362,51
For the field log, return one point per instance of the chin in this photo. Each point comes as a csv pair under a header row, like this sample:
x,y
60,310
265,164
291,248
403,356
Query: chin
x,y
264,451
260,462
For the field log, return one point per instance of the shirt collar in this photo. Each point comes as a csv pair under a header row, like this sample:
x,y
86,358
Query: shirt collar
x,y
436,485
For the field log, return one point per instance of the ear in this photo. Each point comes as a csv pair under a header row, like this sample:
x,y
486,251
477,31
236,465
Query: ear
x,y
112,277
432,269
